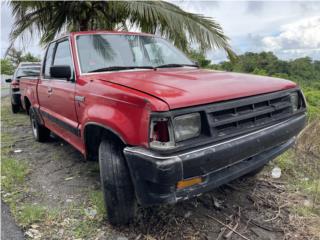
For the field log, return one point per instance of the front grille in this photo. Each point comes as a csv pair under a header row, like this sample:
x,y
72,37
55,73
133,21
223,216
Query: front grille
x,y
242,115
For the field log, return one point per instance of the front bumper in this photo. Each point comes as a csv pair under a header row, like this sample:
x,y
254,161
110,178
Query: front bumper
x,y
155,176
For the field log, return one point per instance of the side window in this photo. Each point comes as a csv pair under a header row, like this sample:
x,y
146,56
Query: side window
x,y
63,55
48,60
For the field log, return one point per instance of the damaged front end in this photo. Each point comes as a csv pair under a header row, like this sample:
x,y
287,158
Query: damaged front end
x,y
214,145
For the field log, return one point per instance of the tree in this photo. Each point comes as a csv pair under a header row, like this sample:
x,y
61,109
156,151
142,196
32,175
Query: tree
x,y
7,67
15,56
302,69
28,57
199,57
49,18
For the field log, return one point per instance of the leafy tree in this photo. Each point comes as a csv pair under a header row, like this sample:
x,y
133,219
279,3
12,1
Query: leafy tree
x,y
15,56
7,67
266,63
30,58
49,18
199,57
259,71
302,69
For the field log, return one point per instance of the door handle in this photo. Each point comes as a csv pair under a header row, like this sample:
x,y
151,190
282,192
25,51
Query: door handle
x,y
49,90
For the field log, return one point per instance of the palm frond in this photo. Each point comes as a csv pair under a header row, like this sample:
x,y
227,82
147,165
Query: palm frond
x,y
177,25
48,18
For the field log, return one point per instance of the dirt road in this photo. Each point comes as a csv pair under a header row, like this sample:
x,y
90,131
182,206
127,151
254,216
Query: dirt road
x,y
62,182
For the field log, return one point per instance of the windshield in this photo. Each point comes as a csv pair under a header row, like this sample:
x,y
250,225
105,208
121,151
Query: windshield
x,y
98,51
30,71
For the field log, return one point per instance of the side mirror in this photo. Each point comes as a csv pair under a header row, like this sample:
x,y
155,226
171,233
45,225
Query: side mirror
x,y
9,80
60,71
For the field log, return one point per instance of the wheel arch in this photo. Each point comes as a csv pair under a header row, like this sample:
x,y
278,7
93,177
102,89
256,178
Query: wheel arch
x,y
27,104
93,133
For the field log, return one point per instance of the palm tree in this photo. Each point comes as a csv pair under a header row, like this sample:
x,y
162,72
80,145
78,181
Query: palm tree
x,y
49,18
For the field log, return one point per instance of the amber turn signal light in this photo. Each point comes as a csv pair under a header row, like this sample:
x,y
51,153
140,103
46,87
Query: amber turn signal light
x,y
189,182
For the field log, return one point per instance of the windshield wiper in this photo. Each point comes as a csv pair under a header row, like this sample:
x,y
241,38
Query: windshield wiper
x,y
118,68
173,65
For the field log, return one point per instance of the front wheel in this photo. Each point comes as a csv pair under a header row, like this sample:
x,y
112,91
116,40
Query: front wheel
x,y
40,132
116,183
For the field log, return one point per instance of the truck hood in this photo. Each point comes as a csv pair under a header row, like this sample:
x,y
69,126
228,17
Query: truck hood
x,y
186,87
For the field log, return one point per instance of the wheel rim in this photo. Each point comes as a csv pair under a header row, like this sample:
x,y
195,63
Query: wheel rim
x,y
34,126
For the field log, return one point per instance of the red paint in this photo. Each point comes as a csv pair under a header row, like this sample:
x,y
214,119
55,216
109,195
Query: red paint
x,y
122,101
14,84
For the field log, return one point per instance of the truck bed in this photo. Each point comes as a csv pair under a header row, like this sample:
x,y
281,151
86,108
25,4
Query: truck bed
x,y
28,89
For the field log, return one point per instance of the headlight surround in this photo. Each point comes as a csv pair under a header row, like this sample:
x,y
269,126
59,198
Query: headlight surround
x,y
187,126
294,99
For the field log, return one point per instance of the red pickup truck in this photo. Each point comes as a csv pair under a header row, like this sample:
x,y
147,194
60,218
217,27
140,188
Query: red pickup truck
x,y
162,129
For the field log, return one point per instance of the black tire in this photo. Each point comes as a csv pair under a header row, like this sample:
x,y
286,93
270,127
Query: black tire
x,y
15,108
40,132
117,187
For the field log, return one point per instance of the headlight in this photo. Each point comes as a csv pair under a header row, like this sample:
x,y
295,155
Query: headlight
x,y
294,98
187,126
161,134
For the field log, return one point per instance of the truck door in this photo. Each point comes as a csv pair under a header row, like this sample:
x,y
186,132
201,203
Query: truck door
x,y
57,102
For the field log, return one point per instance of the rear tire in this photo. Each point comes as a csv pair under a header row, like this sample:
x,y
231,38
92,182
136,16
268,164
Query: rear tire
x,y
15,108
40,132
117,187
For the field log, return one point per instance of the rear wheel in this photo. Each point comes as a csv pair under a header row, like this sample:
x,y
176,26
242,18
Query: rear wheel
x,y
116,183
15,108
40,132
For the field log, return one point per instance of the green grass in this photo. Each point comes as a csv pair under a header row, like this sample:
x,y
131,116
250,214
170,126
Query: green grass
x,y
301,178
85,229
286,162
10,119
96,199
29,214
13,173
304,211
312,94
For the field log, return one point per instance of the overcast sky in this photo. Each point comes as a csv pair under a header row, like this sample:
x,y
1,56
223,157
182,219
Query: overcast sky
x,y
290,29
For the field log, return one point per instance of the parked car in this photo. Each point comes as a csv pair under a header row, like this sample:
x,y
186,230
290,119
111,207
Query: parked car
x,y
25,69
162,129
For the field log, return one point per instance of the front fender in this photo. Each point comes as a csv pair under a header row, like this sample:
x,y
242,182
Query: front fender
x,y
130,124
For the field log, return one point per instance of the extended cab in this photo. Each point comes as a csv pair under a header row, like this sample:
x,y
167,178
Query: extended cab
x,y
25,69
162,129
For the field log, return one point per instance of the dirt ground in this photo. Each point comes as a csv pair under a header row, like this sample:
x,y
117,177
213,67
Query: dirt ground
x,y
59,178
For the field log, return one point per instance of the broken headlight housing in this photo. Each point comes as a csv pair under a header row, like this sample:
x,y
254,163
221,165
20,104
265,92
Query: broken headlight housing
x,y
165,132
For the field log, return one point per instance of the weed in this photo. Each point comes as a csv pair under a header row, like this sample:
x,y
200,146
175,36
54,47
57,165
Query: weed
x,y
85,229
286,162
96,199
29,214
13,173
